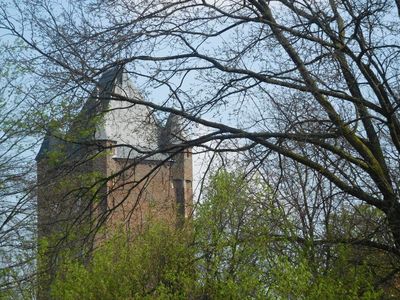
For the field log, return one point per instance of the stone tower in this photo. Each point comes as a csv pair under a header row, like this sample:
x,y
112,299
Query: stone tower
x,y
116,167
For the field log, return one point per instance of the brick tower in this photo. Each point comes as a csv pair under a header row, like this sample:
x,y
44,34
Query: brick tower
x,y
116,167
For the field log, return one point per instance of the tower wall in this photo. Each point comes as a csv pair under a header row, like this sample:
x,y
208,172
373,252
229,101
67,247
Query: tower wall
x,y
136,194
99,183
182,178
149,191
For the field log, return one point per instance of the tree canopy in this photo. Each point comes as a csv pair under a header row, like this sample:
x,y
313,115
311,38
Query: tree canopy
x,y
303,95
229,251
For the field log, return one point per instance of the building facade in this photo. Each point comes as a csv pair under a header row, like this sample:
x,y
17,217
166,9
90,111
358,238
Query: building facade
x,y
117,167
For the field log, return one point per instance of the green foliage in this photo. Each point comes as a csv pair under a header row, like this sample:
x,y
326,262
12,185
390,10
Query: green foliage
x,y
297,280
229,252
155,265
231,233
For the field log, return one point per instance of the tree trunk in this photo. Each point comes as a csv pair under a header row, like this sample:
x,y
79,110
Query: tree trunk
x,y
393,217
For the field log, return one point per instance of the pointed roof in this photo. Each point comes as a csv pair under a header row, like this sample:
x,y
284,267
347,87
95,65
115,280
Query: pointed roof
x,y
172,133
49,142
121,121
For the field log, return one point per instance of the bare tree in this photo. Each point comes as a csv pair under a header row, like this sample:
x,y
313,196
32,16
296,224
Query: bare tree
x,y
18,209
314,84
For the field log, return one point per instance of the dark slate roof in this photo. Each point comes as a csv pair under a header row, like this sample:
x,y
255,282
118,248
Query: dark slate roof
x,y
44,148
100,98
172,133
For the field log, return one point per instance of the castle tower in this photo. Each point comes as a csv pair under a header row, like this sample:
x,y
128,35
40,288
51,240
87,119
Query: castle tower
x,y
117,166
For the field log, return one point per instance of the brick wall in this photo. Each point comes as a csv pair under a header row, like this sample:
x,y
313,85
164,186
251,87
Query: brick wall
x,y
146,191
